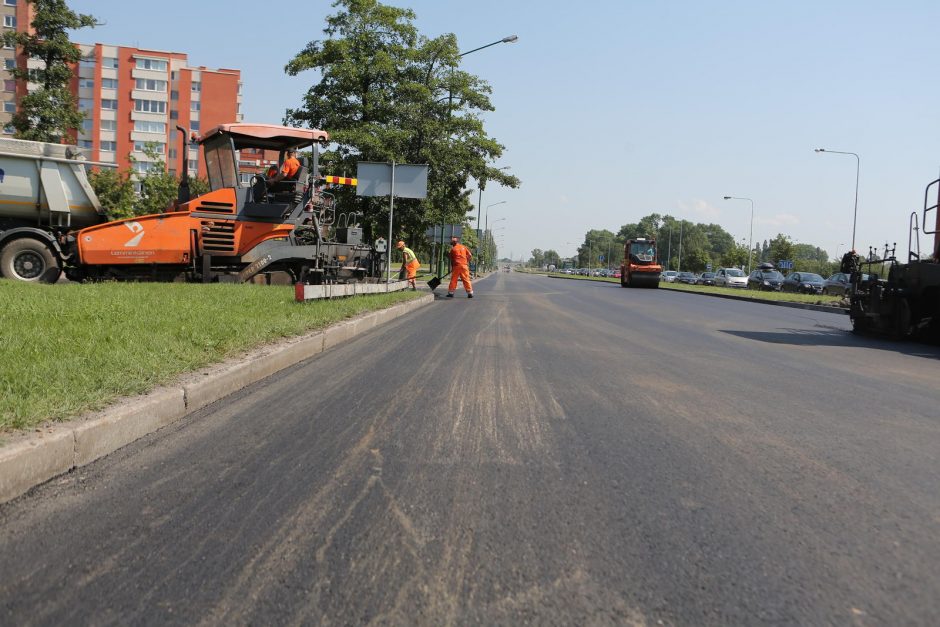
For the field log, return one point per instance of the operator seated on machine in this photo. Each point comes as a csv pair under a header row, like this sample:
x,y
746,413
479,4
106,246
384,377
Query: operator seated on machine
x,y
288,171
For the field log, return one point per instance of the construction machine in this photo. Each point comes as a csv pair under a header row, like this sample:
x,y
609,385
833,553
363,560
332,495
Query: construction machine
x,y
907,302
640,267
234,233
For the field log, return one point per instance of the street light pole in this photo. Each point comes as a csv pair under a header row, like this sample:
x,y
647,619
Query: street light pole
x,y
750,242
482,183
858,167
486,227
450,104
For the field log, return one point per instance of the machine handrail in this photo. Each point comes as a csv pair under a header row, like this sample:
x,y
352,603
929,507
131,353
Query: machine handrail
x,y
929,208
912,229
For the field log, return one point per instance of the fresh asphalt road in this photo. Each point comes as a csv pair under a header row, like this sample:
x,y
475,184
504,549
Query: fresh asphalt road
x,y
550,452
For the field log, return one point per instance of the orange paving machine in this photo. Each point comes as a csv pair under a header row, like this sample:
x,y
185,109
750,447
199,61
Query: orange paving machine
x,y
237,230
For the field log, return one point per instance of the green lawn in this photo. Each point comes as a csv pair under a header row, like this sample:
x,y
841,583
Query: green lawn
x,y
69,348
708,289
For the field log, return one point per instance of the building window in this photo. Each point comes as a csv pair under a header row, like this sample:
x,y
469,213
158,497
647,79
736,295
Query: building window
x,y
174,115
174,95
109,62
144,126
149,84
85,104
142,167
108,146
193,164
86,83
9,21
85,143
86,62
9,3
9,64
9,85
194,126
109,104
8,129
195,105
108,125
197,86
109,83
159,147
172,153
151,64
150,106
9,107
87,126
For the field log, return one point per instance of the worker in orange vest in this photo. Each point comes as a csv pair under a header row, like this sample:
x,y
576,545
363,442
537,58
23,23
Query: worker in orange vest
x,y
289,169
409,263
460,258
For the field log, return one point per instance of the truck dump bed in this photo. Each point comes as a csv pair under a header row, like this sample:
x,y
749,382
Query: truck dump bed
x,y
46,185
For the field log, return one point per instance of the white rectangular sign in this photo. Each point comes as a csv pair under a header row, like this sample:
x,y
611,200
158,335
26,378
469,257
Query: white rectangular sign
x,y
375,179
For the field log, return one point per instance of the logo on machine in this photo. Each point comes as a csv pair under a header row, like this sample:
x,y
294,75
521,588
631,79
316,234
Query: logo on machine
x,y
138,229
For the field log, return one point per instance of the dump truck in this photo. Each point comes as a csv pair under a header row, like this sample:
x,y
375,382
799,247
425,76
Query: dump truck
x,y
907,301
640,267
44,195
233,233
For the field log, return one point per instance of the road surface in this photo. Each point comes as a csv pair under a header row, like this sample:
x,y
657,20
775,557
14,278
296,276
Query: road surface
x,y
550,452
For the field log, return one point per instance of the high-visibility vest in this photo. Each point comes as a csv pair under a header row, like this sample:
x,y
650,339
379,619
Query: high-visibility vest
x,y
409,255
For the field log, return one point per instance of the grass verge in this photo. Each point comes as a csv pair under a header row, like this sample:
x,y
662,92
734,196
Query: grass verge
x,y
790,297
71,348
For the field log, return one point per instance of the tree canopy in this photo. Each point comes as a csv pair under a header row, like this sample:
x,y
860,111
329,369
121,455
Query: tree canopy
x,y
388,93
49,112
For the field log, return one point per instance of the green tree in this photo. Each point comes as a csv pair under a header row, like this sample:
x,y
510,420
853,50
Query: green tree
x,y
385,92
49,112
115,190
538,258
780,247
735,256
158,188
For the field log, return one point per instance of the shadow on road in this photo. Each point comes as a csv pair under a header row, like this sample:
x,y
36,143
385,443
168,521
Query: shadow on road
x,y
835,337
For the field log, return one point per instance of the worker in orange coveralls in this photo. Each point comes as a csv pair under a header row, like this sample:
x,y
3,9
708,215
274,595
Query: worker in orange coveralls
x,y
460,258
409,263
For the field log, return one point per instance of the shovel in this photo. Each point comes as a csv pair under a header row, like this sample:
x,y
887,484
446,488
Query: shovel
x,y
433,283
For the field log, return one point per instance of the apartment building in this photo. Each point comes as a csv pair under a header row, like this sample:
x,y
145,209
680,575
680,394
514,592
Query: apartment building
x,y
133,97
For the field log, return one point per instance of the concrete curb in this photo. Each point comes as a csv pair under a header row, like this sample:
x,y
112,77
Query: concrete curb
x,y
39,456
776,303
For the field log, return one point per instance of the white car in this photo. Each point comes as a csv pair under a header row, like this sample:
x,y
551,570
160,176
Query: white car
x,y
731,277
669,276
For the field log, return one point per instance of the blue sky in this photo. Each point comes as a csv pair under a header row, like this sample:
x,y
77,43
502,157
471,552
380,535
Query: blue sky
x,y
612,110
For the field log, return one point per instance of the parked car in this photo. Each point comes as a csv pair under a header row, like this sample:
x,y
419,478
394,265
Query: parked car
x,y
840,283
685,277
669,276
616,274
766,279
804,283
707,278
730,277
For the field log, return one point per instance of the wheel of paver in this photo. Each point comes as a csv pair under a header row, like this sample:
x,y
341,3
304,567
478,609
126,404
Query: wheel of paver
x,y
28,259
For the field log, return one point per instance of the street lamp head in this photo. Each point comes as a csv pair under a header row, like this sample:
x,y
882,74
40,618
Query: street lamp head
x,y
511,39
820,150
727,197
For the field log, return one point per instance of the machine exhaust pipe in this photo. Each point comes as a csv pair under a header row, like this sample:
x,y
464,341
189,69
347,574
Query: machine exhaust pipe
x,y
182,193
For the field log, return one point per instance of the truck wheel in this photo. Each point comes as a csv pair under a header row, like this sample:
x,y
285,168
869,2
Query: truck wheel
x,y
28,259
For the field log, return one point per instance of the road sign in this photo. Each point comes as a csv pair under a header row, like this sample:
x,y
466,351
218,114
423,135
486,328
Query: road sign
x,y
600,257
375,179
785,264
708,267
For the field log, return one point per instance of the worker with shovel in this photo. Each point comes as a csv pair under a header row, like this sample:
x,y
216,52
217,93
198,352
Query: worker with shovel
x,y
409,263
460,258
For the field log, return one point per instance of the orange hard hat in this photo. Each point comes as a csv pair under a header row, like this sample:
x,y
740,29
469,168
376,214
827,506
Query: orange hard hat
x,y
400,244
